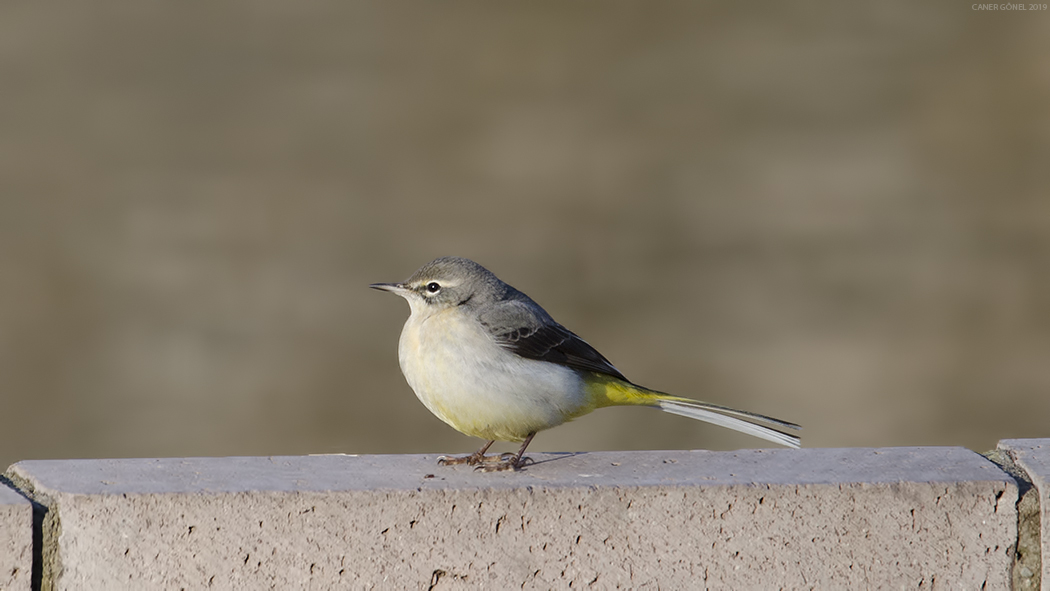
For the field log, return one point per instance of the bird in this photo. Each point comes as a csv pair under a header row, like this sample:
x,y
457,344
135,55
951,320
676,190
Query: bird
x,y
493,364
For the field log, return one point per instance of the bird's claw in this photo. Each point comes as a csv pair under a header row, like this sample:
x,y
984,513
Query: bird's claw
x,y
505,464
454,460
473,459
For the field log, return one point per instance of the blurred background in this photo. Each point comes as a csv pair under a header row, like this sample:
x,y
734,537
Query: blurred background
x,y
836,214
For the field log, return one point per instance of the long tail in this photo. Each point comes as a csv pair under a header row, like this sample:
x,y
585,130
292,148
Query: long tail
x,y
609,391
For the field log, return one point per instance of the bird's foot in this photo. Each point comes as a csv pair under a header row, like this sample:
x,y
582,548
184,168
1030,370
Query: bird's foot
x,y
473,459
505,464
454,460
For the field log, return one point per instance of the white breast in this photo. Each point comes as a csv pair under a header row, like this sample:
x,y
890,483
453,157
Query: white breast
x,y
459,372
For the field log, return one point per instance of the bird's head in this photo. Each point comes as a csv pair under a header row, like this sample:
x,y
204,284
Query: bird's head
x,y
445,283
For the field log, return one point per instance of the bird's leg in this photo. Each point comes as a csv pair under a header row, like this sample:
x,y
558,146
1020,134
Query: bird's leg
x,y
473,459
509,464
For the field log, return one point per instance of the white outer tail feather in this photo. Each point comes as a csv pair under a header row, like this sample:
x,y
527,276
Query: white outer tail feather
x,y
709,414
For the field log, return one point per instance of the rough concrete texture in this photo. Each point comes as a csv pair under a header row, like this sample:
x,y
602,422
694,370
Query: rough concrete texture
x,y
918,518
1033,456
16,541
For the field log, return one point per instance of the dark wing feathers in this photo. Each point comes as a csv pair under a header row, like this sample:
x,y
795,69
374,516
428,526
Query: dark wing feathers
x,y
519,329
557,344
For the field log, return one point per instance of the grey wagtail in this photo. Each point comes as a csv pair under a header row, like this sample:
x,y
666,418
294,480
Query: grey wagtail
x,y
493,364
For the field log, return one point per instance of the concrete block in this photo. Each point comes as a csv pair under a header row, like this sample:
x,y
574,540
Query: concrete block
x,y
917,518
16,541
1033,457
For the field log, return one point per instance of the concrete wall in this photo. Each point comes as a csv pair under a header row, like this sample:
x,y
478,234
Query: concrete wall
x,y
16,541
920,518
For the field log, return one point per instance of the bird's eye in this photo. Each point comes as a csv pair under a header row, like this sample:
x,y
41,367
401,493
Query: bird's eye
x,y
433,287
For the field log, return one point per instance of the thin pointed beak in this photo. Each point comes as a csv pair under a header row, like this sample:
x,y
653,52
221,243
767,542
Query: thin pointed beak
x,y
398,288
